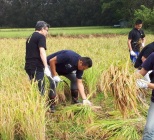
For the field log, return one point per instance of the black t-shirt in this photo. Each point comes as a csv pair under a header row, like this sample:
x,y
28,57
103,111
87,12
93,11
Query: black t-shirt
x,y
32,58
67,62
135,35
146,51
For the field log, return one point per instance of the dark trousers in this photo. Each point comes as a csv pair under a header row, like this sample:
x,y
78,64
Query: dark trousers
x,y
39,77
71,77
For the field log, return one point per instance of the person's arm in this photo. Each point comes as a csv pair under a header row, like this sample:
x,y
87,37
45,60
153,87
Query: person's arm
x,y
44,60
143,72
151,85
43,56
143,42
143,59
81,89
129,44
130,48
53,62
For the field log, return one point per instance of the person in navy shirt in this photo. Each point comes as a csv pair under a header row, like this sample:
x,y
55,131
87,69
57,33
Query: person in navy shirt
x,y
147,66
136,39
71,65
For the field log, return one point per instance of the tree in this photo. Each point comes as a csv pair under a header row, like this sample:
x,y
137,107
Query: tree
x,y
145,14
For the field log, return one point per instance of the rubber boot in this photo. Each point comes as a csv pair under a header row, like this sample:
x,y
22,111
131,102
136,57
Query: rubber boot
x,y
52,104
74,94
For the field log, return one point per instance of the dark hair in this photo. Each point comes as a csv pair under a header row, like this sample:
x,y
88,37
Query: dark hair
x,y
138,22
86,61
40,25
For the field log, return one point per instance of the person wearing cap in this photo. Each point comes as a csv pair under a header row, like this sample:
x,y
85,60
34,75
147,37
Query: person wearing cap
x,y
71,65
136,39
35,59
148,65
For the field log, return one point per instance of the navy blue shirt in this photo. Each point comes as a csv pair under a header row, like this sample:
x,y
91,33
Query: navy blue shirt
x,y
149,63
67,62
135,35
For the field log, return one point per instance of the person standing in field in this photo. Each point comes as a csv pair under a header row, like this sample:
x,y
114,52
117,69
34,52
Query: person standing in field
x,y
71,65
35,59
136,39
147,66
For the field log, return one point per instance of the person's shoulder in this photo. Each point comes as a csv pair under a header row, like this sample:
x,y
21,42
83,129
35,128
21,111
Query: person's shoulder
x,y
37,34
131,31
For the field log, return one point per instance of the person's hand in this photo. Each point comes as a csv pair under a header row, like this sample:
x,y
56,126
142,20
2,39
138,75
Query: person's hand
x,y
132,53
142,83
87,102
57,79
142,44
47,72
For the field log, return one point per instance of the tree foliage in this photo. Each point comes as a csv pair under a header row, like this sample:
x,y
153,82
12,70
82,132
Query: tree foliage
x,y
25,13
146,14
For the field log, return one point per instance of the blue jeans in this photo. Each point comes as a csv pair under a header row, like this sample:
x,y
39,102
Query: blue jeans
x,y
39,77
149,127
133,58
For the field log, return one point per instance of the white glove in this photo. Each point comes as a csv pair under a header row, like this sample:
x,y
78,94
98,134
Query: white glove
x,y
142,44
57,79
47,72
87,102
132,53
142,83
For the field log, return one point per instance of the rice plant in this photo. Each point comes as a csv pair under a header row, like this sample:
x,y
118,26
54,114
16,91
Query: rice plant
x,y
116,129
119,80
23,113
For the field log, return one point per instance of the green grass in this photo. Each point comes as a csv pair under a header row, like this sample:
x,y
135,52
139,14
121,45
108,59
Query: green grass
x,y
67,31
25,32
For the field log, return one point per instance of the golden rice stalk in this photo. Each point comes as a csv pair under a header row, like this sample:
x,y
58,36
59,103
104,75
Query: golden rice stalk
x,y
121,83
116,129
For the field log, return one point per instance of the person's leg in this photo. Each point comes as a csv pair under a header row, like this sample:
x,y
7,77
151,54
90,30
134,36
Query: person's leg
x,y
52,94
30,74
74,88
39,77
132,58
149,127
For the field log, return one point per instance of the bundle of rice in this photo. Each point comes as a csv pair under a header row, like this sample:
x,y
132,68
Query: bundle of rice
x,y
120,81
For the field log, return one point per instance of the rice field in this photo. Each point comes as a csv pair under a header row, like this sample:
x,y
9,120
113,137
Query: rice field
x,y
110,83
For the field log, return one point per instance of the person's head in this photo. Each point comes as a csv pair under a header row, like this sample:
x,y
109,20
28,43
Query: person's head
x,y
84,63
138,24
42,27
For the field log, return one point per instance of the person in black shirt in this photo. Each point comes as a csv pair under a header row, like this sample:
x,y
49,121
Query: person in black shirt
x,y
71,65
148,65
145,52
35,59
136,39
